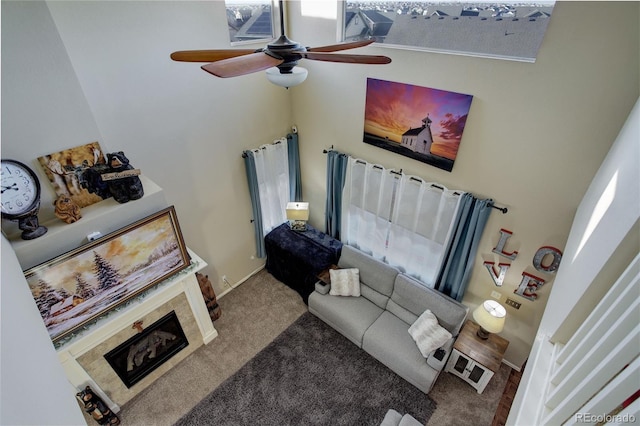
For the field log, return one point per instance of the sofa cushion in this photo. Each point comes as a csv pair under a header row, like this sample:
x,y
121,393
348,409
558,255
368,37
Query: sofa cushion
x,y
345,282
409,420
428,334
410,299
393,418
389,342
377,275
350,316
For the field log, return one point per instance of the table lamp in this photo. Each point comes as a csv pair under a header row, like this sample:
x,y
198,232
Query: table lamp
x,y
297,215
490,316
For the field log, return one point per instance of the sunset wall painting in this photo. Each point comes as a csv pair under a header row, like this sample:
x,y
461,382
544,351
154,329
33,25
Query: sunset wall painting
x,y
418,122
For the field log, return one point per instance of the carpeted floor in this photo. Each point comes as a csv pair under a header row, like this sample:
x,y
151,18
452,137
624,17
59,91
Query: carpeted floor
x,y
310,375
253,315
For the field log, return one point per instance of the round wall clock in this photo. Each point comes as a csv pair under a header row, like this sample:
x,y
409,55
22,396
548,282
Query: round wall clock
x,y
20,199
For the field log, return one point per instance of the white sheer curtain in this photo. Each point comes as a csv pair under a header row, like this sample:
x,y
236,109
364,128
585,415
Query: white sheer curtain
x,y
399,219
421,228
367,202
272,171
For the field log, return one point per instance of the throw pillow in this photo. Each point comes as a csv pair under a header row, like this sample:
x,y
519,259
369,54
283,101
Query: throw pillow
x,y
345,282
428,334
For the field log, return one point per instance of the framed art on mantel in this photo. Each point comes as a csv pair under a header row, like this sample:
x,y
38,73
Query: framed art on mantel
x,y
418,122
65,170
79,286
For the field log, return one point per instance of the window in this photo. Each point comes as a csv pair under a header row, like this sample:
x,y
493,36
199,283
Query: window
x,y
506,29
251,21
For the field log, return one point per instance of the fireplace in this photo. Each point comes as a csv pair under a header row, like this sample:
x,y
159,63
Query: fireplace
x,y
146,351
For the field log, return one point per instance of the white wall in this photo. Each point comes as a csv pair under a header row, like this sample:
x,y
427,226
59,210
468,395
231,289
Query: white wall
x,y
101,71
535,136
606,217
34,389
43,105
604,239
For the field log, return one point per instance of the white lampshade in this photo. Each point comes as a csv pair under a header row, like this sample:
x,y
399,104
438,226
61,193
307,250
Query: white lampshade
x,y
490,316
295,77
298,210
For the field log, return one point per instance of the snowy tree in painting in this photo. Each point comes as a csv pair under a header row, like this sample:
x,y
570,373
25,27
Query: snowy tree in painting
x,y
63,293
46,298
106,274
83,288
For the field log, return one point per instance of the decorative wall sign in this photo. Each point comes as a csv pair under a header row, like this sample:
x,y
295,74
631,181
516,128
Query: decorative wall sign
x,y
544,252
418,122
499,248
498,277
79,286
65,170
529,283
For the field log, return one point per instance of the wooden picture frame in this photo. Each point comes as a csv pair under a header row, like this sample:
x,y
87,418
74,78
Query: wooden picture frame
x,y
83,284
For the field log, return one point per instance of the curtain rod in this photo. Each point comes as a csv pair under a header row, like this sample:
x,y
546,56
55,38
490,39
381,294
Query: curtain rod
x,y
504,210
244,153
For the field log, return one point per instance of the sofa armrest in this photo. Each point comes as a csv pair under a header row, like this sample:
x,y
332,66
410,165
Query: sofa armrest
x,y
322,287
392,418
438,358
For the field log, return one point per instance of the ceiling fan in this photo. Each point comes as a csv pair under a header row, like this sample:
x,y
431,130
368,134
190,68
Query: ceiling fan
x,y
282,53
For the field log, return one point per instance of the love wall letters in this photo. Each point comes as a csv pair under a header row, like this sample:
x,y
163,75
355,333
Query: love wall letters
x,y
529,283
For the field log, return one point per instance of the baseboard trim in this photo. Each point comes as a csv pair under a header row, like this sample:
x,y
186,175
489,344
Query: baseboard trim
x,y
511,365
240,282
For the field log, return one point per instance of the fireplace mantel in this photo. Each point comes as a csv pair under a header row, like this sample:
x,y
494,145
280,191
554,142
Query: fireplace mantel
x,y
122,320
82,353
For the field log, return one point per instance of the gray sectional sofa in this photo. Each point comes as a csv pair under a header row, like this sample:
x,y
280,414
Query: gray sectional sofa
x,y
379,319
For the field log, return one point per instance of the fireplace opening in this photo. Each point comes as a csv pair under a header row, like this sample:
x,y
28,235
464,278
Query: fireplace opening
x,y
146,351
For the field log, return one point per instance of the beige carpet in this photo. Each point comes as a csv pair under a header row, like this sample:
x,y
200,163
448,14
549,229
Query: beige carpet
x,y
252,316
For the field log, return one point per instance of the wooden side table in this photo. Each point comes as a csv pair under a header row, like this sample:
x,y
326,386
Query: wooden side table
x,y
475,360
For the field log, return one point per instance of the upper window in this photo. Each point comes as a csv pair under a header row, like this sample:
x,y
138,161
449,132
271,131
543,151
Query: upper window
x,y
251,21
505,29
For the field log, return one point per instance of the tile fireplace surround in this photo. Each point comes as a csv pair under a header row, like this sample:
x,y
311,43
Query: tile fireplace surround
x,y
83,356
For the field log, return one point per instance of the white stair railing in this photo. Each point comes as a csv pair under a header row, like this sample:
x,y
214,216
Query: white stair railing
x,y
599,367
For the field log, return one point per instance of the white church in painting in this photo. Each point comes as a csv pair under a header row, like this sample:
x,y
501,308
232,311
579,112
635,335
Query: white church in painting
x,y
420,138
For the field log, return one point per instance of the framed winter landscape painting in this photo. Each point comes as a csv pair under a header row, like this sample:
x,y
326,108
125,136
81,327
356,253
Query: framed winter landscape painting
x,y
418,122
79,286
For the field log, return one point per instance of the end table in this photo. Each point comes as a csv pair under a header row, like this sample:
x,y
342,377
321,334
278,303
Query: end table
x,y
475,360
297,257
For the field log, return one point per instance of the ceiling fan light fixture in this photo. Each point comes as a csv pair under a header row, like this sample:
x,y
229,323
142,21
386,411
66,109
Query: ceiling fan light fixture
x,y
295,77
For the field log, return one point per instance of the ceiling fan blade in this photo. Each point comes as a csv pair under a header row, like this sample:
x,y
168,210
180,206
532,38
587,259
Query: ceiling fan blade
x,y
209,55
349,59
340,46
242,65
